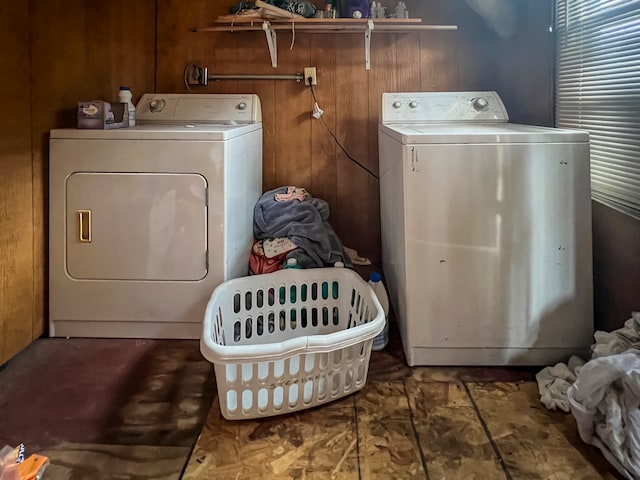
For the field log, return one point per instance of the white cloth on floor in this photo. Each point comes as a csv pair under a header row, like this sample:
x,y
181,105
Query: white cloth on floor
x,y
553,383
605,400
603,395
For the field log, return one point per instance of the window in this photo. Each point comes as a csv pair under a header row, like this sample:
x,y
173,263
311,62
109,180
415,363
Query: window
x,y
598,89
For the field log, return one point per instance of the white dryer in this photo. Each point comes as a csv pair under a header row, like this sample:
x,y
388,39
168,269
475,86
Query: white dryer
x,y
486,232
146,221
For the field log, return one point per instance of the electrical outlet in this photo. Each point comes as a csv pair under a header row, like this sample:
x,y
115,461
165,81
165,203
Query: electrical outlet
x,y
310,72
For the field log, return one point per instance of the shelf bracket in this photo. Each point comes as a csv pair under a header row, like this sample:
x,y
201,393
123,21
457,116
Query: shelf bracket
x,y
272,42
367,44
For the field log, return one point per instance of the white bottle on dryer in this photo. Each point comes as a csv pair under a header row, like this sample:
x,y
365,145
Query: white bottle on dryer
x,y
125,97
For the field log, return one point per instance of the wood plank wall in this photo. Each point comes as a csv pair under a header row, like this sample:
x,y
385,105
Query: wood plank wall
x,y
58,52
16,188
298,149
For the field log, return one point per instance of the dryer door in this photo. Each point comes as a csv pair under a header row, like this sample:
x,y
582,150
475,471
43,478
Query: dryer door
x,y
136,226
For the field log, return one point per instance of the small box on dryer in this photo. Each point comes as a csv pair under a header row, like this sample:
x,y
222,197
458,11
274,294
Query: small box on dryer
x,y
102,115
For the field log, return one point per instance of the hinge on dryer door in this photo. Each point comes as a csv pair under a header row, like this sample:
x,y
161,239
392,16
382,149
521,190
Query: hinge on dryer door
x,y
206,260
206,196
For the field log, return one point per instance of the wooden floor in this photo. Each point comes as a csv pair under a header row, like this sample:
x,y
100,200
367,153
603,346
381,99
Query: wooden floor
x,y
406,423
105,409
133,409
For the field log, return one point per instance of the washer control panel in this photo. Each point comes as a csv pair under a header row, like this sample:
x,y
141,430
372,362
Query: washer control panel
x,y
173,108
439,107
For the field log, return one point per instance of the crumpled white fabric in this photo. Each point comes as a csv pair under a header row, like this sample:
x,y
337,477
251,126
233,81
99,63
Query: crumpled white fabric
x,y
603,395
553,383
605,401
618,341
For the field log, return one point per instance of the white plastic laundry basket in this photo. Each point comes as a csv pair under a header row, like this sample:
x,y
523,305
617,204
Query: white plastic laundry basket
x,y
289,340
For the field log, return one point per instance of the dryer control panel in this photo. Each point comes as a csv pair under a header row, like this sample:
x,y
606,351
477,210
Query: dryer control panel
x,y
442,107
176,109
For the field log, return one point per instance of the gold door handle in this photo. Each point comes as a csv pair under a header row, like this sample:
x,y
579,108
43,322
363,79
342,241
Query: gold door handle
x,y
84,226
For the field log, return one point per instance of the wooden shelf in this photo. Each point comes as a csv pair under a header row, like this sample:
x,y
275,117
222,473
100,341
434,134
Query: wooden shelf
x,y
320,25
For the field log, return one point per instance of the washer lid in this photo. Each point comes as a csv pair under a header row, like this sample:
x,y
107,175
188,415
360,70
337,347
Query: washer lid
x,y
474,133
186,131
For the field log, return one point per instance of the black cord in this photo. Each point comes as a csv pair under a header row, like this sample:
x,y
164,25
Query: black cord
x,y
313,93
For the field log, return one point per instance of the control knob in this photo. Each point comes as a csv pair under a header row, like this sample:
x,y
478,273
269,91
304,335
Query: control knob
x,y
242,106
397,104
413,104
480,104
157,104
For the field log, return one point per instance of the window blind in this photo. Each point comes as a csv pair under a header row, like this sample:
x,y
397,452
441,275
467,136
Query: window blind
x,y
598,89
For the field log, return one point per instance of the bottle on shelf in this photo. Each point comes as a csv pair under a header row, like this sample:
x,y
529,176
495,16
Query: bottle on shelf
x,y
329,10
381,340
125,97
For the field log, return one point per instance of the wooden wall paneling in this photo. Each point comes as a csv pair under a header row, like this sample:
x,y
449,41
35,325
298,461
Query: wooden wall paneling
x,y
119,42
352,129
296,150
58,68
323,147
439,62
267,93
79,50
120,47
176,46
248,54
383,77
438,51
266,90
408,68
48,110
292,115
16,207
228,61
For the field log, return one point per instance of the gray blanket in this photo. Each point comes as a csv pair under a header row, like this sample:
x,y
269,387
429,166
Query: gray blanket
x,y
305,223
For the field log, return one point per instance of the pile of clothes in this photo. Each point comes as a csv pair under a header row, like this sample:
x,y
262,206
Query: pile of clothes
x,y
603,395
303,8
289,223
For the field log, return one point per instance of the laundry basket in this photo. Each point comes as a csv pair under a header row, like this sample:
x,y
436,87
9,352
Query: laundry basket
x,y
289,340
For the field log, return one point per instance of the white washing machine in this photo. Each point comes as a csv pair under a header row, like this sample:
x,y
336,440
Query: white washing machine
x,y
486,232
146,221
